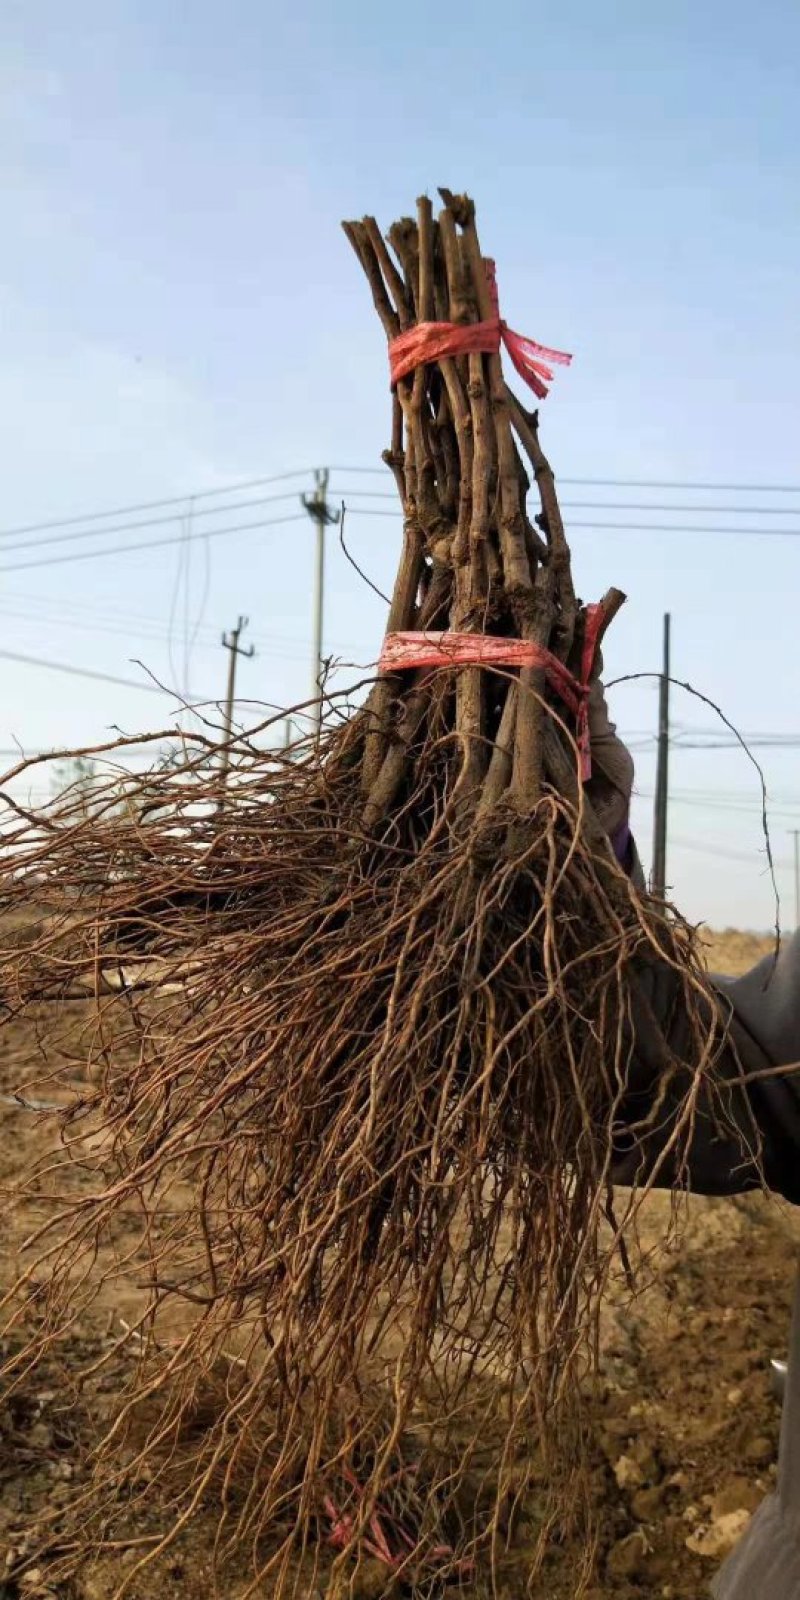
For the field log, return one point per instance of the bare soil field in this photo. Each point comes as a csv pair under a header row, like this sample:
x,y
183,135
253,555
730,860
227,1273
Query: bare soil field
x,y
684,1423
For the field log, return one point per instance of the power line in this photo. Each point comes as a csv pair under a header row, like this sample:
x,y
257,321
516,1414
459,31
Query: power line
x,y
718,739
701,488
757,733
151,629
81,672
78,530
689,731
242,484
46,602
111,757
727,855
754,741
640,748
150,544
641,483
637,527
145,522
739,796
704,511
681,527
76,534
732,807
153,505
763,741
619,505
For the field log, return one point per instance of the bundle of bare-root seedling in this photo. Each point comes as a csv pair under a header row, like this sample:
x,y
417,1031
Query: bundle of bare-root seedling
x,y
354,1036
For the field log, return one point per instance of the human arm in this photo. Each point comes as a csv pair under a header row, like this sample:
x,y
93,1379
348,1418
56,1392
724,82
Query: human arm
x,y
746,1130
747,1127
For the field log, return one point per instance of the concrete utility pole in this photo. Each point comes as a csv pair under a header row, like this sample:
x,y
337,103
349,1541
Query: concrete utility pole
x,y
658,877
232,645
795,832
320,512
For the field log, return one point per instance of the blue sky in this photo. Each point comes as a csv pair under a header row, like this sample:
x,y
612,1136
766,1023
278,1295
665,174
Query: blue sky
x,y
180,312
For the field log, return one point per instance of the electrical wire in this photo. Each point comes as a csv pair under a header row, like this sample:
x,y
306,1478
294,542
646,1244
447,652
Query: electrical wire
x,y
284,646
763,741
754,741
86,672
147,522
713,850
130,753
640,483
621,505
78,521
150,544
734,807
639,527
153,505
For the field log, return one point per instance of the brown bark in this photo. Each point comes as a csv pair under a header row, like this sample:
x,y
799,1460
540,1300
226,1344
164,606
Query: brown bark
x,y
458,440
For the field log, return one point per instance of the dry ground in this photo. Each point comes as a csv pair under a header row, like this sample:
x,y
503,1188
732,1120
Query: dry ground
x,y
685,1423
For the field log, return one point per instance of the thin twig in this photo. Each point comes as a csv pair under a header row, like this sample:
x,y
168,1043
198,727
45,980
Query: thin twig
x,y
354,564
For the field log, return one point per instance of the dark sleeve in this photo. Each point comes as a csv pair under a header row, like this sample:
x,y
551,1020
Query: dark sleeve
x,y
746,1128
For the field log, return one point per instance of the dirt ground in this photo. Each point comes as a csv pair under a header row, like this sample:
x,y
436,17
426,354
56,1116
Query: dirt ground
x,y
685,1423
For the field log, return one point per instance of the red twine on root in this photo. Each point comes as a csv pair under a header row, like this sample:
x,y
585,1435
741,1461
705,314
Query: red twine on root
x,y
376,1542
432,341
404,651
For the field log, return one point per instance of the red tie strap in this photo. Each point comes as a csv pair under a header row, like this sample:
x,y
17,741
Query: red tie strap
x,y
404,651
432,341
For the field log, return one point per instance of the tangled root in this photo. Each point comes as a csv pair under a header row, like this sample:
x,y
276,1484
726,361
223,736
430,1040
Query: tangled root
x,y
346,1118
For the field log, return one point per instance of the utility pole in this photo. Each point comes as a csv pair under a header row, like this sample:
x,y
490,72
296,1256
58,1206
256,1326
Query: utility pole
x,y
795,832
316,505
658,877
235,650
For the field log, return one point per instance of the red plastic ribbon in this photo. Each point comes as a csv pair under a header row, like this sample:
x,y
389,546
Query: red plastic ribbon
x,y
376,1544
433,341
403,651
